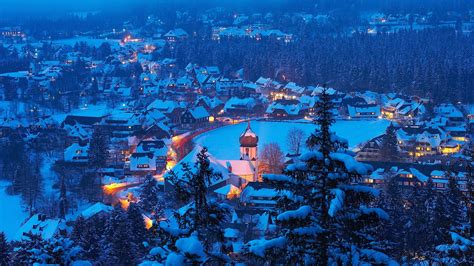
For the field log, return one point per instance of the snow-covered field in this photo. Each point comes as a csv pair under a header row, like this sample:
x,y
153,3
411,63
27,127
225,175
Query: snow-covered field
x,y
12,213
223,143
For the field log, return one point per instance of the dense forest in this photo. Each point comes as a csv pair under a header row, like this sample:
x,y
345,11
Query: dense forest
x,y
436,63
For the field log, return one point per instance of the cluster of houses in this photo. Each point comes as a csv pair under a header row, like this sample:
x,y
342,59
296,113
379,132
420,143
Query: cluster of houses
x,y
432,138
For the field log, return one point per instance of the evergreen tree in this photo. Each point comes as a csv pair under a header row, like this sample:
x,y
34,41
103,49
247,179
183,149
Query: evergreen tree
x,y
118,241
63,204
88,234
29,251
327,219
392,201
389,146
98,149
4,249
455,206
149,194
138,233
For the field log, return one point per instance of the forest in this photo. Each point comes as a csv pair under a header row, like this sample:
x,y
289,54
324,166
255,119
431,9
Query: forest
x,y
432,63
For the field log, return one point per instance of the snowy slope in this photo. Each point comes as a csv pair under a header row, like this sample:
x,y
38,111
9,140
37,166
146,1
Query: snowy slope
x,y
12,214
223,143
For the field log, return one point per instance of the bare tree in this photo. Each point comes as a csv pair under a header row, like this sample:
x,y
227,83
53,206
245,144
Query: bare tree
x,y
271,159
295,140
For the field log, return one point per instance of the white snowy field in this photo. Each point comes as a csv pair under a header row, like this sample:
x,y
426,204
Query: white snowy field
x,y
223,142
12,212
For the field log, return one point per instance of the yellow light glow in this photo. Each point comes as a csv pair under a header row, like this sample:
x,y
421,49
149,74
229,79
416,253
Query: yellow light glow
x,y
148,222
211,119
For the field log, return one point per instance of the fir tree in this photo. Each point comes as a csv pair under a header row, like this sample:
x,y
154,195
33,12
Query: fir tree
x,y
63,204
88,234
4,249
327,219
149,195
455,205
393,203
389,147
118,241
98,149
138,233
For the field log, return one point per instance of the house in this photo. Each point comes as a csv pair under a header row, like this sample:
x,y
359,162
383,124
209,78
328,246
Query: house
x,y
39,225
142,163
241,106
370,151
169,108
98,208
213,106
259,195
175,35
77,153
284,109
197,116
362,111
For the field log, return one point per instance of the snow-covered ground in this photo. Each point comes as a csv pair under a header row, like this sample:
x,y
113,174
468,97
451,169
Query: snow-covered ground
x,y
223,142
12,213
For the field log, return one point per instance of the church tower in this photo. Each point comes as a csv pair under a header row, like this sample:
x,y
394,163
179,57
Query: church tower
x,y
248,144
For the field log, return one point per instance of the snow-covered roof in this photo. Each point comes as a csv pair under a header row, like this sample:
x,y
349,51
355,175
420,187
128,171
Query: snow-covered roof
x,y
38,225
361,110
76,153
227,189
95,209
235,102
199,112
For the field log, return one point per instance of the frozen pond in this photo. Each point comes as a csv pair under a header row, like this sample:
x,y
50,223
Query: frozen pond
x,y
223,142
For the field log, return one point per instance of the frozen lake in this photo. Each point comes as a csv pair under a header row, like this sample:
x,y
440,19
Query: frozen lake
x,y
223,142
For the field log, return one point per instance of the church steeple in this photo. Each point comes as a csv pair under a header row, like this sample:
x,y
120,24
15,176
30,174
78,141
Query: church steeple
x,y
248,144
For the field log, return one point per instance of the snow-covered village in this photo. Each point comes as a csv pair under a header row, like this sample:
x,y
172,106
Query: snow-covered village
x,y
236,133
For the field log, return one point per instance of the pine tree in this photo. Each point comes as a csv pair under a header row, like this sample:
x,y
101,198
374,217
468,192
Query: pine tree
x,y
470,194
63,204
138,232
389,147
98,149
4,249
393,203
119,248
204,216
88,234
149,195
327,219
455,206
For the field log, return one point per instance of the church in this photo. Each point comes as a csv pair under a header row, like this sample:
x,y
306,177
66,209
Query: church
x,y
245,169
235,174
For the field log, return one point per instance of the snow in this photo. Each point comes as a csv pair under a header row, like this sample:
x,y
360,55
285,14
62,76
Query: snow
x,y
174,259
12,213
191,245
419,175
277,177
378,257
300,213
355,131
47,228
351,164
96,208
379,212
259,246
337,202
231,233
